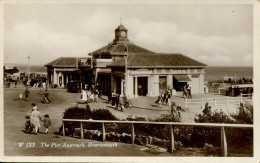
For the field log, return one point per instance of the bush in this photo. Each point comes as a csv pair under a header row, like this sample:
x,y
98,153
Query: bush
x,y
75,112
215,117
245,114
102,114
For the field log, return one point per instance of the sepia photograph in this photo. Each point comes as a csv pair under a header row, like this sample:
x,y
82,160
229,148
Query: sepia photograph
x,y
128,79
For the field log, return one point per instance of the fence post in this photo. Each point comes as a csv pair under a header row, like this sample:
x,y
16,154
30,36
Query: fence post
x,y
227,101
133,133
215,101
63,128
103,132
172,145
81,131
201,102
241,98
223,142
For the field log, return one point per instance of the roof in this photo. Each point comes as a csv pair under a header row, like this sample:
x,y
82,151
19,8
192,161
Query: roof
x,y
63,62
120,28
119,49
157,60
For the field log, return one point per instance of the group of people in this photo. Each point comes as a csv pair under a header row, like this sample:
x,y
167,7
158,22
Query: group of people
x,y
119,101
176,110
8,84
187,91
164,98
89,96
32,123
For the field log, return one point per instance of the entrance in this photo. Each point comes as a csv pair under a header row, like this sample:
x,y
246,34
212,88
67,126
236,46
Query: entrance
x,y
179,81
162,84
118,84
142,83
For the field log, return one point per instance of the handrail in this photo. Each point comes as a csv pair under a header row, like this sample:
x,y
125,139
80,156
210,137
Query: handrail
x,y
222,127
166,123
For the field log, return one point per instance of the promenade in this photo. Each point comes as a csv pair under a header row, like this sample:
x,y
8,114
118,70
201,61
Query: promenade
x,y
15,110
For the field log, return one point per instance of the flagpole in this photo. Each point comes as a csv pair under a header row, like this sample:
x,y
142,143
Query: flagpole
x,y
28,68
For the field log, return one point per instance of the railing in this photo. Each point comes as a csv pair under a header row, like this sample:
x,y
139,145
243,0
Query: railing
x,y
220,101
170,124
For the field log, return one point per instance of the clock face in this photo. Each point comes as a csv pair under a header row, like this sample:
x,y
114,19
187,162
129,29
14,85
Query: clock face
x,y
123,34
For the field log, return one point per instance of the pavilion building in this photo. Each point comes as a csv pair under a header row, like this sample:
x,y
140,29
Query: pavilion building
x,y
126,68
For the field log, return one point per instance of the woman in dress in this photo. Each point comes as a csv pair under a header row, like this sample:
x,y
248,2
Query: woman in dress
x,y
35,118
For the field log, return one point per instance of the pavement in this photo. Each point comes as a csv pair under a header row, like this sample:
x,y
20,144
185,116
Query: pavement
x,y
15,111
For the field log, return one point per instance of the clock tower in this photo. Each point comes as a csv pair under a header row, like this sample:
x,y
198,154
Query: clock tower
x,y
121,35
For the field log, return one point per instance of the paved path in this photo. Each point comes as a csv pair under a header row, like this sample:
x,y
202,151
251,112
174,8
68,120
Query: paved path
x,y
15,110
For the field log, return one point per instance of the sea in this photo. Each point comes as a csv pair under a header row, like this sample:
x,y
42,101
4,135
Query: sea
x,y
219,72
211,72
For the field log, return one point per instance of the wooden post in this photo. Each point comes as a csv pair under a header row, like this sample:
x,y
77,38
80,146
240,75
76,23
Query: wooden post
x,y
227,101
81,131
201,102
172,145
133,133
223,142
241,97
63,128
215,101
103,132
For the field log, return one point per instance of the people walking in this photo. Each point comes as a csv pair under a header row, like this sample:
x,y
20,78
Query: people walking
x,y
117,101
26,94
173,108
113,98
46,123
169,98
35,118
15,83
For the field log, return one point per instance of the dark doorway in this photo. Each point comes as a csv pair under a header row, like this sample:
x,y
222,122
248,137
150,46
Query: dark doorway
x,y
162,84
86,78
142,83
178,86
118,85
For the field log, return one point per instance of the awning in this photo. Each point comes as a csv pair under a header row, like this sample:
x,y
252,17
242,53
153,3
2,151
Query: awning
x,y
104,71
182,78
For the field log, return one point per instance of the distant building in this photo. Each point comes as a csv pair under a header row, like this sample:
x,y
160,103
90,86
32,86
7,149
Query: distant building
x,y
123,67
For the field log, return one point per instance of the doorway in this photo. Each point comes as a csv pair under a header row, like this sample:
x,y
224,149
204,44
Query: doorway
x,y
142,83
118,85
162,84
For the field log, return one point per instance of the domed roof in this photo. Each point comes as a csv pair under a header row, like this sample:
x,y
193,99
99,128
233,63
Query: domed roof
x,y
120,28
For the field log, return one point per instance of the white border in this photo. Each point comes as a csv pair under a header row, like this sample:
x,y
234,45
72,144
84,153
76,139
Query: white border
x,y
256,60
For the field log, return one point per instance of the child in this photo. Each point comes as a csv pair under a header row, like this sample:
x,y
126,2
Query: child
x,y
28,126
46,123
26,93
21,96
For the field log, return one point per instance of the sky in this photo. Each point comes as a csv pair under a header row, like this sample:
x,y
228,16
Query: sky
x,y
217,35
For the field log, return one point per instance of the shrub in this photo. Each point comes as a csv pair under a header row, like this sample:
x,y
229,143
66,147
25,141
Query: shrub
x,y
245,114
75,112
202,135
102,114
215,117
